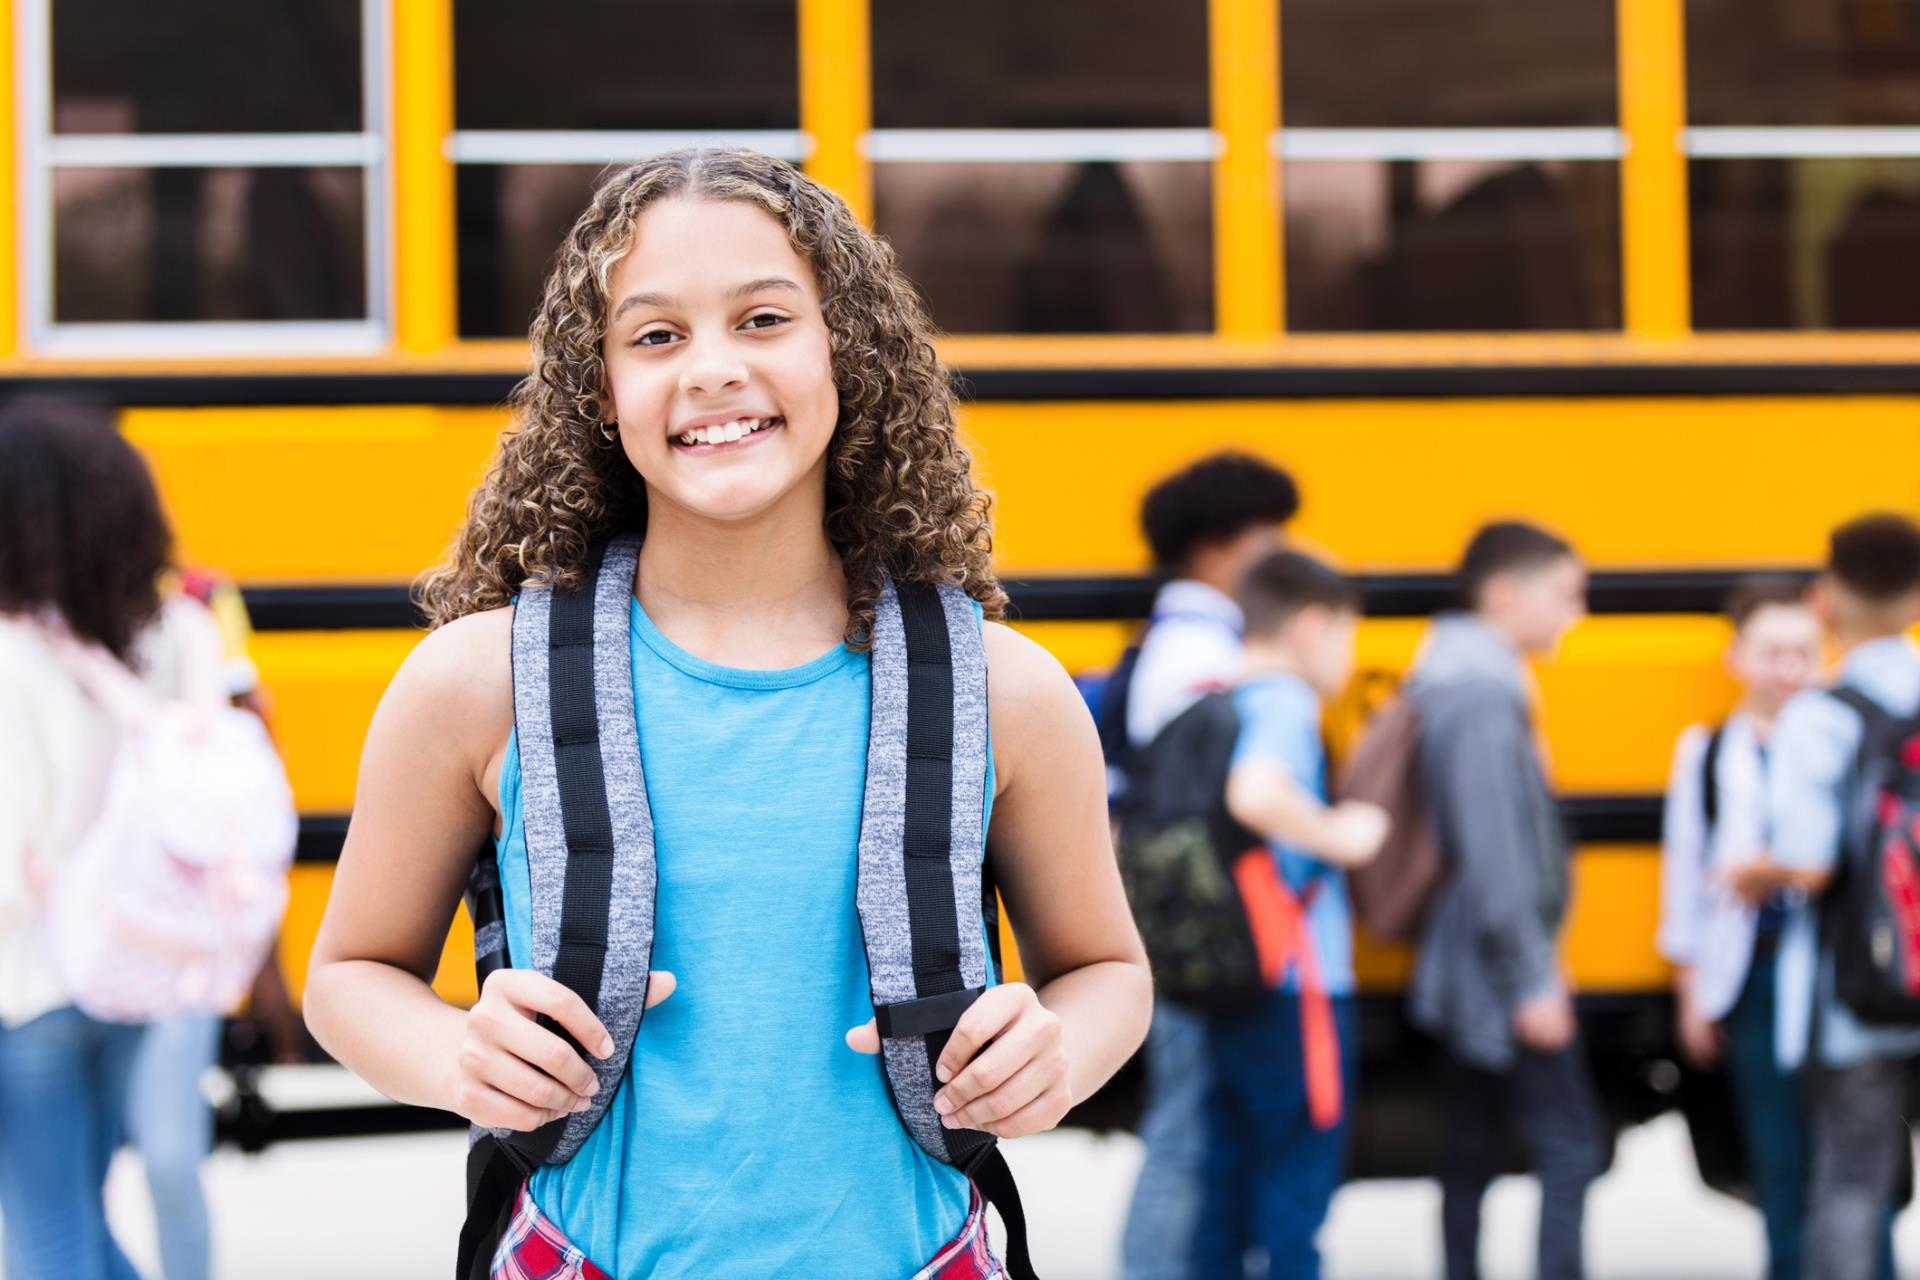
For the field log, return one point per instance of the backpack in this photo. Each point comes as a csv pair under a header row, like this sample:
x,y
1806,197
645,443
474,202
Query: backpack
x,y
1871,914
921,893
1220,925
1393,893
1111,696
173,896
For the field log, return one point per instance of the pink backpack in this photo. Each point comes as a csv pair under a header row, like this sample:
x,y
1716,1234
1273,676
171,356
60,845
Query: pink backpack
x,y
173,895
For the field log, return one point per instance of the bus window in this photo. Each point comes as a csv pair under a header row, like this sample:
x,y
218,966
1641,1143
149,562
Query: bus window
x,y
132,69
209,191
1803,62
1804,163
1450,165
618,65
1462,64
192,244
1806,243
547,98
1015,64
1090,247
1403,245
1033,180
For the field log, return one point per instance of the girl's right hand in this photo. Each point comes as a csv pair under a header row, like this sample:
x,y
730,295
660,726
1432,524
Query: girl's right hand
x,y
513,1073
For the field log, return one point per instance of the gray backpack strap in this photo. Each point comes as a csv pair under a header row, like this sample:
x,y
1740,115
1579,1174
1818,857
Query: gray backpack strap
x,y
920,879
590,854
920,839
564,849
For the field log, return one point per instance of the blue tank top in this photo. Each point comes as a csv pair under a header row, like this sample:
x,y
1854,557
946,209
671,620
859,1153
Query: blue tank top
x,y
747,1139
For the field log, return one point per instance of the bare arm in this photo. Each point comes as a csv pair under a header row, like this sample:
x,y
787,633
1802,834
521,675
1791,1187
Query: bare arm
x,y
422,809
1027,1052
1263,797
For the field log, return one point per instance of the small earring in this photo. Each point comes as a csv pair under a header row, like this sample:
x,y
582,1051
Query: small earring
x,y
610,432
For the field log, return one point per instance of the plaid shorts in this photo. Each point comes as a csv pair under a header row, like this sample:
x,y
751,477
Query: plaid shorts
x,y
533,1248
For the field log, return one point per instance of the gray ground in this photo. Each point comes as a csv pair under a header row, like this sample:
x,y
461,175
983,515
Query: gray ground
x,y
390,1207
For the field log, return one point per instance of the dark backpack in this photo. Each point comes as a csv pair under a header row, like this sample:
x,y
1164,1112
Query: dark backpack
x,y
1871,914
1218,925
590,846
1110,696
1393,894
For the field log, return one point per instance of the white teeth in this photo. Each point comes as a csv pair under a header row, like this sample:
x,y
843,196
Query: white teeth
x,y
725,433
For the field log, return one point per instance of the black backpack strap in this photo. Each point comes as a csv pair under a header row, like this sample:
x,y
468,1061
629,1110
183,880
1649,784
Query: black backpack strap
x,y
499,1162
1710,777
935,923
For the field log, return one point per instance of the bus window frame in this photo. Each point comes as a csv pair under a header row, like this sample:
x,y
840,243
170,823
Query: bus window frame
x,y
42,152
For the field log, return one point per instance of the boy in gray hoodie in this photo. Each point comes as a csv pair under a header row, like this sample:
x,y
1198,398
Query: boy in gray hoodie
x,y
1488,984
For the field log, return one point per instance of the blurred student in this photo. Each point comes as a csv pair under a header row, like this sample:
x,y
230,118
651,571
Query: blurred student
x,y
169,1119
82,548
1206,525
1856,1072
1284,1070
1488,983
1723,949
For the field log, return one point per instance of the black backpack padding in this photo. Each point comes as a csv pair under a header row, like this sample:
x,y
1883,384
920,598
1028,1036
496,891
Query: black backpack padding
x,y
1178,845
499,1162
1870,917
1710,780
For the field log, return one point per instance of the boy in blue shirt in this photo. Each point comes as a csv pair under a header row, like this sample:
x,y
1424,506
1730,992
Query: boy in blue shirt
x,y
1283,1071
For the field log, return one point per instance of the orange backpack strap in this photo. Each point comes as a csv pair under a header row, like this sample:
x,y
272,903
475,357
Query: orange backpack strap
x,y
1277,917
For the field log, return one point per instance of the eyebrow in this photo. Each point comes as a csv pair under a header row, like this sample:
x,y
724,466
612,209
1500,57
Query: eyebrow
x,y
667,301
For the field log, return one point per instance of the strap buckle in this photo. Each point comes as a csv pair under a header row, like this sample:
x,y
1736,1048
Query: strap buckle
x,y
923,1017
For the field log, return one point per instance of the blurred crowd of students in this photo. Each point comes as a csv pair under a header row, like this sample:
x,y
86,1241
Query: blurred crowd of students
x,y
105,1039
1791,906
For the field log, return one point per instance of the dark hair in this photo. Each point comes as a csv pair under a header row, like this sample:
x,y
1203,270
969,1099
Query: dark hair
x,y
1213,500
1285,582
1750,595
1506,546
81,531
1876,557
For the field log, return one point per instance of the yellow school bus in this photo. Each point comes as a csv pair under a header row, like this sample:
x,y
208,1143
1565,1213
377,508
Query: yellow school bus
x,y
1641,270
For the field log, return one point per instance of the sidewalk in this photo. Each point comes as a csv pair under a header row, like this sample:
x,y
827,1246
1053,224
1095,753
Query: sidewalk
x,y
390,1208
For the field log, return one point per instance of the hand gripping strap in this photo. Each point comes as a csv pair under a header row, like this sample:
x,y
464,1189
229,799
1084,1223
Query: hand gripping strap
x,y
920,891
589,845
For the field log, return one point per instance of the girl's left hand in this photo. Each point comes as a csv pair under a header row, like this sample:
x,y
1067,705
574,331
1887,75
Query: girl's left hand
x,y
1004,1067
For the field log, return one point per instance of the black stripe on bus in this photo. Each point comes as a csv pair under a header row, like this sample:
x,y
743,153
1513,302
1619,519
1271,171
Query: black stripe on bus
x,y
1119,597
1276,382
1592,819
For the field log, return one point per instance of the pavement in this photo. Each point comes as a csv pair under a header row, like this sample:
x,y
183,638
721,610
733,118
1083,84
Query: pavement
x,y
389,1209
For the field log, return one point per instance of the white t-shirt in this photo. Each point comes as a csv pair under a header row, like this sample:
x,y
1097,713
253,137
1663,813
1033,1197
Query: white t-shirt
x,y
1192,649
56,746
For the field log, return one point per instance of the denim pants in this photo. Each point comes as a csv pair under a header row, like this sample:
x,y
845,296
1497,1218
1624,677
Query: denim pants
x,y
1773,1122
1271,1174
63,1094
1551,1096
171,1126
1158,1242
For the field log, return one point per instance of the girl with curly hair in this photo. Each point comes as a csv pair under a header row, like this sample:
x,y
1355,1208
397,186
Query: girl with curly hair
x,y
727,363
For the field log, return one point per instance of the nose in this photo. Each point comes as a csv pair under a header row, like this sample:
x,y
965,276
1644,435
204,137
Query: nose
x,y
713,365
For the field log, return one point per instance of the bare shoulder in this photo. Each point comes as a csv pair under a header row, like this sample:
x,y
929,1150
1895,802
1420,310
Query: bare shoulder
x,y
459,680
1022,677
1037,712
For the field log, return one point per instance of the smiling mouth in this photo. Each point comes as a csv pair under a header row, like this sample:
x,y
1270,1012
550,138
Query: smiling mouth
x,y
726,435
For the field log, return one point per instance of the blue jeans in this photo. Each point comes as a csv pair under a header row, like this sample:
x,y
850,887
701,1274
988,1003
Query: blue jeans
x,y
1158,1243
1271,1174
63,1094
171,1126
1773,1121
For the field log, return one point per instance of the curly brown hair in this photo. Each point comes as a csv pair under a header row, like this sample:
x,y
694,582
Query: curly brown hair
x,y
82,533
900,493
